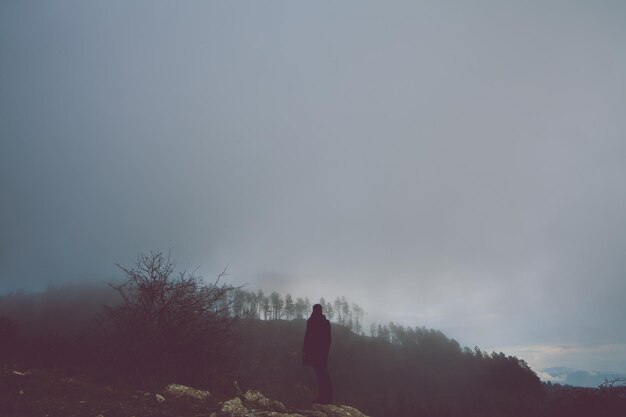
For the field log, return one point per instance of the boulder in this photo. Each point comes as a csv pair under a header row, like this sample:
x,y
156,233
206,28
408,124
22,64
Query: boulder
x,y
259,401
233,408
178,390
253,403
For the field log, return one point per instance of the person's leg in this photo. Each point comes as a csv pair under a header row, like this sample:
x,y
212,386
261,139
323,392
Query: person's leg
x,y
327,395
324,386
318,374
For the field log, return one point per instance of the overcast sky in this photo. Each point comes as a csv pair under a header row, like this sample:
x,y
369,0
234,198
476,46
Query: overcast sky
x,y
455,165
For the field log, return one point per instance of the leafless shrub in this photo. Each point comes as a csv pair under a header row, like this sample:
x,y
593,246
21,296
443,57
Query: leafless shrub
x,y
169,326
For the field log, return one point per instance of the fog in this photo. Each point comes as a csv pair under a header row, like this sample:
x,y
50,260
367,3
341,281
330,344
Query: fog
x,y
441,164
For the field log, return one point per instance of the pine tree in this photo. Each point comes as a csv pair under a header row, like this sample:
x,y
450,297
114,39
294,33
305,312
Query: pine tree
x,y
289,307
266,307
260,297
300,307
277,305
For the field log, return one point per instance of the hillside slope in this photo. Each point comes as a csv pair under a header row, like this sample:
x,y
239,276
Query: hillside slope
x,y
417,372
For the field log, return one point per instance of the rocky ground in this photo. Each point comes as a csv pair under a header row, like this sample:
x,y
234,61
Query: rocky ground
x,y
52,393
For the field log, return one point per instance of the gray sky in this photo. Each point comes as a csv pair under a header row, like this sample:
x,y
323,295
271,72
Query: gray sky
x,y
457,165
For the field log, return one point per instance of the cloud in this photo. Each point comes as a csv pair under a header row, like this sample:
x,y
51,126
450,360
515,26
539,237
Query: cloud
x,y
447,168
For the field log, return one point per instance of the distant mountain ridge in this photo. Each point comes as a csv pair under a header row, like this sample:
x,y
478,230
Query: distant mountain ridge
x,y
576,377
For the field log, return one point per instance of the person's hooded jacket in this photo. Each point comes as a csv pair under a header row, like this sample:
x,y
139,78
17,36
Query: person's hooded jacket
x,y
316,340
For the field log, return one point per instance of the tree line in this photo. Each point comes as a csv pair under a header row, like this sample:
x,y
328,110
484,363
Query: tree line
x,y
257,305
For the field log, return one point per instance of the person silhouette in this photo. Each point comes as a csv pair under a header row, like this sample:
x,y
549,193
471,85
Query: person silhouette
x,y
315,353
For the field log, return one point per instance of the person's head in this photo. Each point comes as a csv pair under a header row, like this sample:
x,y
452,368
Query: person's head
x,y
317,310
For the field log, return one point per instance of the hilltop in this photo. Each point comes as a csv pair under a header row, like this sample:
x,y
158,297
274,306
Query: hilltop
x,y
52,393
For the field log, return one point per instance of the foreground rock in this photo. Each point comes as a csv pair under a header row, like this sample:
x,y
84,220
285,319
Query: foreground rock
x,y
254,404
233,408
178,391
259,401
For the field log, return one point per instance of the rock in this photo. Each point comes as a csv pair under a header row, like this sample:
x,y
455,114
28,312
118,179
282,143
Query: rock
x,y
259,401
277,405
178,390
21,373
233,408
254,404
332,410
236,388
254,396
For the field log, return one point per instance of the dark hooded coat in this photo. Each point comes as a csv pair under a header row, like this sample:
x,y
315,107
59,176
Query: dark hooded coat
x,y
316,341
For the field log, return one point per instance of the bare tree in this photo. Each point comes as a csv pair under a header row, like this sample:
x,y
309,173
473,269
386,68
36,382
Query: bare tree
x,y
169,325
